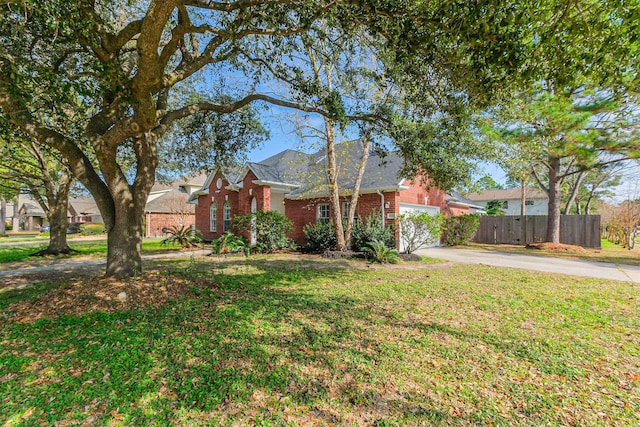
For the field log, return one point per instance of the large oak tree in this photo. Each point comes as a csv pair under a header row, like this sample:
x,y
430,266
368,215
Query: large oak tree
x,y
125,62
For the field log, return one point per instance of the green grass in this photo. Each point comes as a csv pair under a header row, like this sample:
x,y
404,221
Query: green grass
x,y
273,342
14,253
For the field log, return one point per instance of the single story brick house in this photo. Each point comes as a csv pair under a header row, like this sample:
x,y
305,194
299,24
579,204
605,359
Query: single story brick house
x,y
295,184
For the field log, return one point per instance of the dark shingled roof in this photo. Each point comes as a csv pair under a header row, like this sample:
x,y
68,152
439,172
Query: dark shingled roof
x,y
308,171
380,172
456,198
172,201
285,167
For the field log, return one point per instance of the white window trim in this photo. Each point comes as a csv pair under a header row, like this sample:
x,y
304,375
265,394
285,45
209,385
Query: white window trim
x,y
345,209
226,221
319,207
213,216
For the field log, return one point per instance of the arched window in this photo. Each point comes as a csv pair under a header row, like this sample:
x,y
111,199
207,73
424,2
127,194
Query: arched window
x,y
226,211
213,217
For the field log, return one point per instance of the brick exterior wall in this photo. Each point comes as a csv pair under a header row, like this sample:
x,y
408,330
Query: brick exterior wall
x,y
155,222
302,212
240,202
418,194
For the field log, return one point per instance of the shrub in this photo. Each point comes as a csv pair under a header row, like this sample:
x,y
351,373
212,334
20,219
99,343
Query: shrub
x,y
495,207
229,243
320,236
419,229
187,237
458,230
92,229
271,229
369,230
381,253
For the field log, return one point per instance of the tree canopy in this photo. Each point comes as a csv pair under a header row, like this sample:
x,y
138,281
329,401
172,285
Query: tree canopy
x,y
557,134
126,64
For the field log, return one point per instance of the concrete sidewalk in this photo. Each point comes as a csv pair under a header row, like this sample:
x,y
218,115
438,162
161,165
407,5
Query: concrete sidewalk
x,y
600,270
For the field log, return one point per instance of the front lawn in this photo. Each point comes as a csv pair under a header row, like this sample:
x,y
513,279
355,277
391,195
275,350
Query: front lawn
x,y
305,341
22,252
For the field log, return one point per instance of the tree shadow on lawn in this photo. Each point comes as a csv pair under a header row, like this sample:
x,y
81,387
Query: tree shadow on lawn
x,y
250,343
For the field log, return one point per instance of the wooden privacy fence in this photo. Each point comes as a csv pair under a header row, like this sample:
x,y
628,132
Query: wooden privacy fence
x,y
580,230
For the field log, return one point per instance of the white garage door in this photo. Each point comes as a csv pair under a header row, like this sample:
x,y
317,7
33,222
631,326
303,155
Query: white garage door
x,y
408,207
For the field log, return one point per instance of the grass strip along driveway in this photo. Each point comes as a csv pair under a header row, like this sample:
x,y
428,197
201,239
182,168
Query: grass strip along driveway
x,y
305,341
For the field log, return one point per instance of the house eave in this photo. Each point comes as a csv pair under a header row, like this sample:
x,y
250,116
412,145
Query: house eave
x,y
390,189
465,205
274,184
193,198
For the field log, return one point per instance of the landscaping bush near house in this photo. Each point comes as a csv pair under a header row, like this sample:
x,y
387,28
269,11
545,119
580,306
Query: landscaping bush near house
x,y
229,243
187,237
271,229
420,229
321,236
381,253
369,230
459,230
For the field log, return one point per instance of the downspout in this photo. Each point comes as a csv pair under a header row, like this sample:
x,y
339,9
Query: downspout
x,y
381,194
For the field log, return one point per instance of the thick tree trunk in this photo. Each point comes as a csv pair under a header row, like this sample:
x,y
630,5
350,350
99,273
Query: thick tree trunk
x,y
57,207
124,242
58,223
553,217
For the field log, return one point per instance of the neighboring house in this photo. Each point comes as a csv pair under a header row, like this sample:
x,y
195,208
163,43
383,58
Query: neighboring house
x,y
167,205
457,204
12,217
83,209
295,184
31,215
536,201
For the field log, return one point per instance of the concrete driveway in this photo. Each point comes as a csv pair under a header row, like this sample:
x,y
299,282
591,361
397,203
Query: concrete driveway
x,y
600,270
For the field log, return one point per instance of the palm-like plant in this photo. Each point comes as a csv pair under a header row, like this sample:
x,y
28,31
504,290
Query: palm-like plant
x,y
187,237
229,243
381,253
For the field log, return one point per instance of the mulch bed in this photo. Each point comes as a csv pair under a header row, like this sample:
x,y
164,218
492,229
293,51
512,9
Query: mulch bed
x,y
557,247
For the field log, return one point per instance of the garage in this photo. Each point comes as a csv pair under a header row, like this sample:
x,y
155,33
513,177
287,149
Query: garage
x,y
409,207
